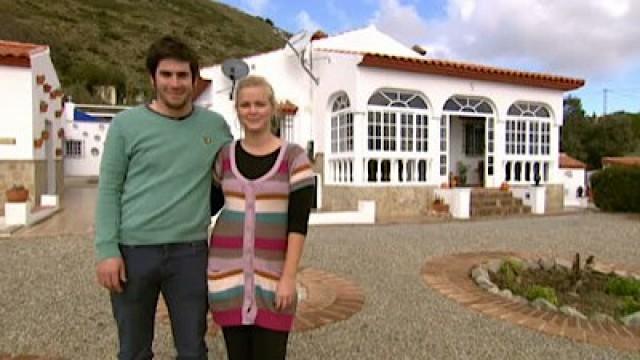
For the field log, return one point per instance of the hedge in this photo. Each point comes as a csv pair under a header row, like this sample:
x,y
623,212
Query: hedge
x,y
617,188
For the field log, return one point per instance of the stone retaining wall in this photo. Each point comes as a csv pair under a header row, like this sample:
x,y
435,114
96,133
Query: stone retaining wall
x,y
391,202
32,174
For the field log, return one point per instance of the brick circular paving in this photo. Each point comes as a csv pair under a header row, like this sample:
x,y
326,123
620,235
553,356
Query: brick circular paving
x,y
449,275
328,299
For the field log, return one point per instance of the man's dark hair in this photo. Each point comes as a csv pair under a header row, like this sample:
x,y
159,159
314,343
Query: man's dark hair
x,y
170,47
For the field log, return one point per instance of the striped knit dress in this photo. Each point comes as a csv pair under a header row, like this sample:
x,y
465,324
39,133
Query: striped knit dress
x,y
249,240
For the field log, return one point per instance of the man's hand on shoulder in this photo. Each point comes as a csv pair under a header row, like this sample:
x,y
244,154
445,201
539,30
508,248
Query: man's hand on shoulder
x,y
111,274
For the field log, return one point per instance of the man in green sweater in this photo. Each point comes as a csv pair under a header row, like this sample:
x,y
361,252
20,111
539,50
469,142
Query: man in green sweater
x,y
153,207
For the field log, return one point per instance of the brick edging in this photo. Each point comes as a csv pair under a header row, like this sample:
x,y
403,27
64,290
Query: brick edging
x,y
449,275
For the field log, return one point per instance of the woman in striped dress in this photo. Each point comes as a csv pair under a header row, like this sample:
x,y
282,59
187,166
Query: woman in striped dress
x,y
258,238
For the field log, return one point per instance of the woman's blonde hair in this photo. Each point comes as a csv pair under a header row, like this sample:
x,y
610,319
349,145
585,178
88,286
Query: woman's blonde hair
x,y
256,81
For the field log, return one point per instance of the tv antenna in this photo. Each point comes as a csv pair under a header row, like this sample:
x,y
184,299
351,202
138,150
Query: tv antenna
x,y
298,43
234,70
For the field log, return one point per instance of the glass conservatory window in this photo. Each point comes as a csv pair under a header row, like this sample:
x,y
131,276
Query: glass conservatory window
x,y
397,117
341,125
468,105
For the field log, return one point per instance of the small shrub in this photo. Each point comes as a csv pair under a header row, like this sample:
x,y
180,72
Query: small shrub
x,y
510,270
546,293
629,306
623,287
616,189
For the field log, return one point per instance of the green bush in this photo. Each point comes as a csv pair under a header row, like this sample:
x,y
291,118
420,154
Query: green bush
x,y
509,270
629,306
623,287
546,293
616,189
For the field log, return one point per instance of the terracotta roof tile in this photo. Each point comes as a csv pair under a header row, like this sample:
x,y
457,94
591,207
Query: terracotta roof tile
x,y
630,161
471,71
464,70
18,54
567,162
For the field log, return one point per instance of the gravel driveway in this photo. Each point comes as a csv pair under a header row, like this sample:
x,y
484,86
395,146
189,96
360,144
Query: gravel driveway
x,y
50,305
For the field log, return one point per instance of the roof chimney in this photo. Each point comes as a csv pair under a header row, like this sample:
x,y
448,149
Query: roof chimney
x,y
419,50
319,35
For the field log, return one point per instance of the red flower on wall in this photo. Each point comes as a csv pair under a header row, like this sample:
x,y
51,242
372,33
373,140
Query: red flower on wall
x,y
61,133
46,87
44,106
40,79
44,135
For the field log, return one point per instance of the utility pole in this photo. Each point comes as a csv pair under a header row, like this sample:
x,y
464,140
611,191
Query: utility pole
x,y
604,101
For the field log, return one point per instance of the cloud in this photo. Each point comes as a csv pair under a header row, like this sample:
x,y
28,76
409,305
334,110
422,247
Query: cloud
x,y
257,6
339,14
402,22
304,22
573,37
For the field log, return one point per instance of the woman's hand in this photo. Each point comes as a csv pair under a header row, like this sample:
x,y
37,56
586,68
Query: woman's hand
x,y
285,292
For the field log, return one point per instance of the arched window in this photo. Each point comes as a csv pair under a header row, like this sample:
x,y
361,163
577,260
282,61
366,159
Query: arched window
x,y
529,109
528,120
468,105
341,125
397,116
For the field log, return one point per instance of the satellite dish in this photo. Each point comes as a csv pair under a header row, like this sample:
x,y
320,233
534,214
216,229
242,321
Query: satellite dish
x,y
234,69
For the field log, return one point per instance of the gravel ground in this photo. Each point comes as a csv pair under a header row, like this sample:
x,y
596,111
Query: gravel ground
x,y
50,305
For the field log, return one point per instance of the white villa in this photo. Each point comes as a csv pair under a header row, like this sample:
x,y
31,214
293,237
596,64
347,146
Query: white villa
x,y
383,122
31,124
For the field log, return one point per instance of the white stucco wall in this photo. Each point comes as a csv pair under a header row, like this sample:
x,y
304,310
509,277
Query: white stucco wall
x,y
41,65
92,136
572,179
286,76
16,112
20,97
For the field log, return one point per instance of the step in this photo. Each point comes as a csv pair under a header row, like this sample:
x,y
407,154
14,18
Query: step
x,y
495,202
521,210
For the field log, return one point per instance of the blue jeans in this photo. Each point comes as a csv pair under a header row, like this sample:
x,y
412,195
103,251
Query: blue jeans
x,y
179,272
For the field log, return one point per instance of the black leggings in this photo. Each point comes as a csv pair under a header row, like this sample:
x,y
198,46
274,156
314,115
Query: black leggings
x,y
251,342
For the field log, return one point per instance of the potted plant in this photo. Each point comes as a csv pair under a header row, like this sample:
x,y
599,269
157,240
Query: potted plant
x,y
44,135
46,87
439,206
61,133
40,79
58,151
462,173
17,194
58,113
44,106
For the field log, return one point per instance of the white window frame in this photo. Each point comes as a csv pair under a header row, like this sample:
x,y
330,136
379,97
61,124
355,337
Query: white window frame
x,y
74,149
341,125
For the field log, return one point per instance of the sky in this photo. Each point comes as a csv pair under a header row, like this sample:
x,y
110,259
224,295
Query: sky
x,y
594,40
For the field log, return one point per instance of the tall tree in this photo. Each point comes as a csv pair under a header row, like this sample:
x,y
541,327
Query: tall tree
x,y
573,130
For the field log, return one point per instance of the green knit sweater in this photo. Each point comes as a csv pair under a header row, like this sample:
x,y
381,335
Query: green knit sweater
x,y
155,178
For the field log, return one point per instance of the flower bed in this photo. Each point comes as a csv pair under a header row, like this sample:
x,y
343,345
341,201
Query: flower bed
x,y
586,291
